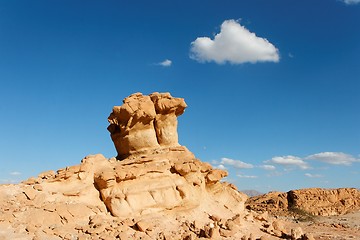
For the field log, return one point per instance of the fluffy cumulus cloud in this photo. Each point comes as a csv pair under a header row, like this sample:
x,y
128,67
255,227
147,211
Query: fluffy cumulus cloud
x,y
235,163
350,2
290,161
234,44
165,63
335,158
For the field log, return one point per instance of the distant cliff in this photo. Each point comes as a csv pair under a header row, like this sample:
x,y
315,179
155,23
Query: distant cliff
x,y
315,201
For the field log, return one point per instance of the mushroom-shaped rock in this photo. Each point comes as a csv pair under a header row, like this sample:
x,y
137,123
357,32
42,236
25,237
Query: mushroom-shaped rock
x,y
145,123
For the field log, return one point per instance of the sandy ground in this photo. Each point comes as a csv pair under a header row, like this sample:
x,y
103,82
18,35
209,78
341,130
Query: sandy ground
x,y
344,227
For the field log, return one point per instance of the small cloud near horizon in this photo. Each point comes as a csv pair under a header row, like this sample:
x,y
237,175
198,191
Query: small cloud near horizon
x,y
289,161
268,167
235,163
8,181
234,44
246,176
334,158
313,175
15,173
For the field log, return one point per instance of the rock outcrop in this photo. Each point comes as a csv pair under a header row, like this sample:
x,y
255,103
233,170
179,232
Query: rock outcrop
x,y
314,201
145,123
154,188
325,202
273,202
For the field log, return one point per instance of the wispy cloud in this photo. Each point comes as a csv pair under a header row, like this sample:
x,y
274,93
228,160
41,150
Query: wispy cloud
x,y
165,63
351,2
289,161
8,181
332,158
335,158
234,44
15,173
313,175
235,163
268,167
246,176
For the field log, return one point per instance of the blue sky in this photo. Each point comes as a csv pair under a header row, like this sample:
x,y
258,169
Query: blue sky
x,y
272,86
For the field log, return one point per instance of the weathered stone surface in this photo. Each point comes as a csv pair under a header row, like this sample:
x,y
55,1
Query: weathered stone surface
x,y
273,202
132,125
314,201
325,202
167,110
145,122
162,183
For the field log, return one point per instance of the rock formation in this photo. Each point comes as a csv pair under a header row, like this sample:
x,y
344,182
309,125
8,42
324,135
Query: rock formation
x,y
154,189
272,202
314,201
325,202
145,123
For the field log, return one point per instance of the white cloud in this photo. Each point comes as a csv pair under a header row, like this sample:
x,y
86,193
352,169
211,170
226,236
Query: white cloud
x,y
335,158
289,161
8,181
221,166
15,173
268,167
313,175
234,44
214,162
235,163
350,2
165,63
246,176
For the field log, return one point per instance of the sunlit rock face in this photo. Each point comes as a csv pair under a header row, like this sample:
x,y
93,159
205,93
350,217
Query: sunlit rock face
x,y
315,201
156,173
167,110
145,123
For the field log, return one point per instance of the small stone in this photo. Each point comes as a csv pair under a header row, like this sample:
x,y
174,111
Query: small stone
x,y
30,193
308,236
296,233
143,226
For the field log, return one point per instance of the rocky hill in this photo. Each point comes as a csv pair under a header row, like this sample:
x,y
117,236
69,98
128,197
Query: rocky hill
x,y
251,193
154,189
315,201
